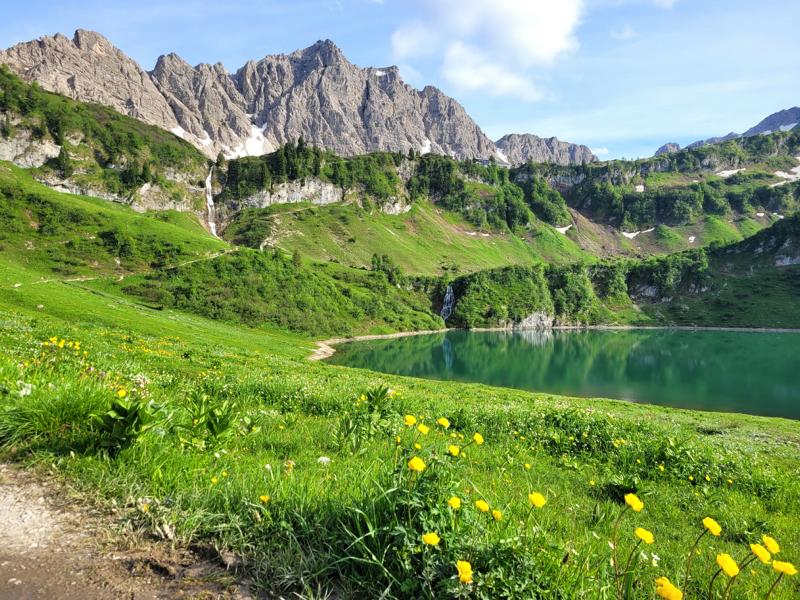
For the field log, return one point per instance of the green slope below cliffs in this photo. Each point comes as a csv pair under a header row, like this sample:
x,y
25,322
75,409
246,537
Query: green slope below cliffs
x,y
92,149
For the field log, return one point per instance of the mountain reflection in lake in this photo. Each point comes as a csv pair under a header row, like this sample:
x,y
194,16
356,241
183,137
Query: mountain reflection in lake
x,y
750,372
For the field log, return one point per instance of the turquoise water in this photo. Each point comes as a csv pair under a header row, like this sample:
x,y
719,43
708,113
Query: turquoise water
x,y
735,371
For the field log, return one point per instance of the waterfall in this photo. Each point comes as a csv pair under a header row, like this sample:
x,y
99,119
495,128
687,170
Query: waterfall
x,y
449,303
212,225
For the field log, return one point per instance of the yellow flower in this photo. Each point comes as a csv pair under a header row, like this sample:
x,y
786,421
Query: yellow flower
x,y
443,422
214,481
416,464
464,571
591,482
417,446
397,439
121,393
224,473
644,535
423,429
454,503
482,505
454,450
633,501
661,468
145,508
666,590
762,553
785,568
263,499
771,544
712,526
727,564
497,515
477,438
536,499
410,420
431,539
528,466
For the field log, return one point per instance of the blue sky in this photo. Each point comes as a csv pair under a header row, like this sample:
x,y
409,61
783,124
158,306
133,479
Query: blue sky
x,y
622,76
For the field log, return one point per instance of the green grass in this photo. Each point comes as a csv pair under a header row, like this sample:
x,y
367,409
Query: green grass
x,y
71,235
354,526
210,404
426,240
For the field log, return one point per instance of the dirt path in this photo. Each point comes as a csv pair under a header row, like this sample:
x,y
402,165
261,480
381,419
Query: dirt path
x,y
50,548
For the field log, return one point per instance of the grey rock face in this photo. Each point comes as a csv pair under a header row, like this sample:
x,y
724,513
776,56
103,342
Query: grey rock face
x,y
783,120
517,148
315,93
27,152
308,190
668,148
88,68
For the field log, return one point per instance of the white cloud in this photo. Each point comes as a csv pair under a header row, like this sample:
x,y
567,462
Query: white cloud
x,y
410,75
470,69
413,40
600,151
494,46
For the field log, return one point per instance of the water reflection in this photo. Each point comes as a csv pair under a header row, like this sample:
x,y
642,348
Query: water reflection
x,y
750,372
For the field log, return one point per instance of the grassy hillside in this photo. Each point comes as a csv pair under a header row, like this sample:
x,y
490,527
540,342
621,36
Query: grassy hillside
x,y
79,236
755,283
101,149
234,440
426,240
225,436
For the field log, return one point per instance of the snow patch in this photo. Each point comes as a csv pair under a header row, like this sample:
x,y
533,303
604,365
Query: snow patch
x,y
206,139
255,145
729,173
792,175
692,239
472,233
633,234
501,155
788,127
179,131
759,214
484,235
778,216
639,188
426,147
564,230
380,73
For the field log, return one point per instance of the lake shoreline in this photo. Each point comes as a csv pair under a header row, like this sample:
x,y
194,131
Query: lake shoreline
x,y
327,348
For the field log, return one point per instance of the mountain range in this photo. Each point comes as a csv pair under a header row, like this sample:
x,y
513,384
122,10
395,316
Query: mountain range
x,y
783,120
315,94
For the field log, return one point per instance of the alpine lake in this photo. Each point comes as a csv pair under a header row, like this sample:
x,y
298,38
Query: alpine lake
x,y
753,372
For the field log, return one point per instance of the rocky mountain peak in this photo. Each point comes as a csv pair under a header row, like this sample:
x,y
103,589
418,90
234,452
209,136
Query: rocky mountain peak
x,y
668,148
91,41
518,148
314,93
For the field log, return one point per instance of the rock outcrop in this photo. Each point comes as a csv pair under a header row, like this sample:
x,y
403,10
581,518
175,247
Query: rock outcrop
x,y
515,148
668,148
314,93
